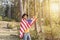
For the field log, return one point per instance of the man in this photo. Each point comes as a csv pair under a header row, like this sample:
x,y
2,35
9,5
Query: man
x,y
25,24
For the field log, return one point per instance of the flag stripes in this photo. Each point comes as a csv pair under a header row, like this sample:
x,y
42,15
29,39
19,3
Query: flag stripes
x,y
24,25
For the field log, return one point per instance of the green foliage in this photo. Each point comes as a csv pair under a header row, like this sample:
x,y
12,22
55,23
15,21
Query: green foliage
x,y
8,19
18,27
47,22
34,36
13,25
0,18
10,27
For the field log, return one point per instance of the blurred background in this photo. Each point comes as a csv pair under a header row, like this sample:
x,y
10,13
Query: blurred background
x,y
48,13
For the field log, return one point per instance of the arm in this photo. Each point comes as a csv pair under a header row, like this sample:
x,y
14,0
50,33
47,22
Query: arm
x,y
33,21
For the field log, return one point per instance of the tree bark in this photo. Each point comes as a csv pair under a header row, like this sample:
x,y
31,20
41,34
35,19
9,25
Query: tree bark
x,y
21,8
24,6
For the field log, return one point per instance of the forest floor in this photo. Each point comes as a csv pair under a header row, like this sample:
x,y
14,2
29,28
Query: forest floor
x,y
7,34
12,34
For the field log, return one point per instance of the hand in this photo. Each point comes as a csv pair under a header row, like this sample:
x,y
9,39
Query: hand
x,y
34,17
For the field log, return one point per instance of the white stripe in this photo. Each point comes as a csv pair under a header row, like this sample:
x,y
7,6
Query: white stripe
x,y
22,29
24,23
27,23
21,33
23,26
32,21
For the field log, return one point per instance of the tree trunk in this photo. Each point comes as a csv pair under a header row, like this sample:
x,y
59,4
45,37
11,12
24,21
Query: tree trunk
x,y
9,11
24,6
21,8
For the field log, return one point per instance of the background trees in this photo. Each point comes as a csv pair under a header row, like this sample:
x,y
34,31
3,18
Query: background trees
x,y
47,12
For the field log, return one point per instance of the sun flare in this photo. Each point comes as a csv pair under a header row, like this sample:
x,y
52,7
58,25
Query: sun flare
x,y
54,7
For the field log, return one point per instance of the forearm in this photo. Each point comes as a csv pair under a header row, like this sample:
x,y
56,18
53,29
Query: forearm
x,y
33,21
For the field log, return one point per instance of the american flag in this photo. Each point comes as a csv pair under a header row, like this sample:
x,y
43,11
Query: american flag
x,y
24,25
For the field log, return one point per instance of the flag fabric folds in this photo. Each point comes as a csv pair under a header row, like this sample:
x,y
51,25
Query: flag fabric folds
x,y
24,25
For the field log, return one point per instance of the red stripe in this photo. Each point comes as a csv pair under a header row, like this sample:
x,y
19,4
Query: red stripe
x,y
33,21
21,29
21,26
25,24
21,33
21,36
